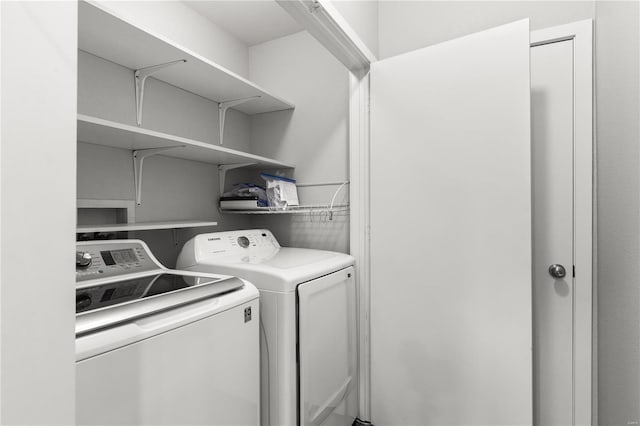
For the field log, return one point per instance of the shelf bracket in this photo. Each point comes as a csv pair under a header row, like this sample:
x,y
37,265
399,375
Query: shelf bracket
x,y
222,111
138,162
140,77
224,168
314,6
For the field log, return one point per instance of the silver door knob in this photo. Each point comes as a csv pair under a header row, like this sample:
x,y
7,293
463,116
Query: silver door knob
x,y
557,271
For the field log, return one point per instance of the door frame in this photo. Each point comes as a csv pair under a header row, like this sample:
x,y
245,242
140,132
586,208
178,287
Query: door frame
x,y
360,225
584,294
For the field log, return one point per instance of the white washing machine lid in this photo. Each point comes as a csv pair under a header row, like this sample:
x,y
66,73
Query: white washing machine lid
x,y
123,282
282,272
264,263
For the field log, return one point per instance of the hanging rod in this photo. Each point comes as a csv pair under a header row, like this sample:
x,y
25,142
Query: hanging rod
x,y
342,182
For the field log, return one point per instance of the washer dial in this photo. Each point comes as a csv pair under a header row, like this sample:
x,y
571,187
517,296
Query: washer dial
x,y
243,242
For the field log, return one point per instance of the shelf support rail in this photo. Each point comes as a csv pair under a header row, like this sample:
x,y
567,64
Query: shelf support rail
x,y
140,77
138,162
335,194
222,112
224,168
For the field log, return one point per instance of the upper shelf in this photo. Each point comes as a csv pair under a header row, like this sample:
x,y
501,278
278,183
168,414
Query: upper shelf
x,y
117,135
104,34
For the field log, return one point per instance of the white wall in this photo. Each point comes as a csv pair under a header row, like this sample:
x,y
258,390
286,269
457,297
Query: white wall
x,y
39,60
186,27
106,90
362,16
314,136
410,25
618,143
172,189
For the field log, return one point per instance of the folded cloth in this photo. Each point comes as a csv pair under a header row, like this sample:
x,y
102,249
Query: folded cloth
x,y
248,190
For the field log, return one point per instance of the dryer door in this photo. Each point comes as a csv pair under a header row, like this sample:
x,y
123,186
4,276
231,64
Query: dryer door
x,y
327,350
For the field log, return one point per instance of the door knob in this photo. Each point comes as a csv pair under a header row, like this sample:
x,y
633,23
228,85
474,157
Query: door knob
x,y
557,271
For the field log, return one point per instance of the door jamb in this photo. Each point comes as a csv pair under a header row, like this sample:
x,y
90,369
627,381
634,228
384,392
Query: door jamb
x,y
584,295
359,225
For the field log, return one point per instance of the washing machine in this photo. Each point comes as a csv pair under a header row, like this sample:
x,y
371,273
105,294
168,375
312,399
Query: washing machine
x,y
156,346
307,319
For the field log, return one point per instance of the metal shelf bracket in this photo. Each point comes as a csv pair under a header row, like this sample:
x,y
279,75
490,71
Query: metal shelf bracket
x,y
138,162
222,172
222,112
140,77
314,6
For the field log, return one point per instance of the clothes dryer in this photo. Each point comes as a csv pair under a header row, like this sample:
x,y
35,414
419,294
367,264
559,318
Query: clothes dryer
x,y
308,322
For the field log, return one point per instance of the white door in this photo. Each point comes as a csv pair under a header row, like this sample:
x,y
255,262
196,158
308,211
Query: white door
x,y
552,151
562,150
451,233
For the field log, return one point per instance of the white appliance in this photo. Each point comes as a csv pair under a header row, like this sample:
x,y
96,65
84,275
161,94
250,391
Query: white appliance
x,y
156,346
308,315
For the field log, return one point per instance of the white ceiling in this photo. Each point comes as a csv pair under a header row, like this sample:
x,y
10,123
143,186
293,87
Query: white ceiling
x,y
251,21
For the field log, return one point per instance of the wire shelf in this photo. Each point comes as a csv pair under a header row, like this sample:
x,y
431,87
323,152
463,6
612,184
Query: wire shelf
x,y
305,209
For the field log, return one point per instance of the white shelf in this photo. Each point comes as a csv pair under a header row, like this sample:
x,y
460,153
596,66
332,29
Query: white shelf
x,y
143,226
97,131
104,34
306,209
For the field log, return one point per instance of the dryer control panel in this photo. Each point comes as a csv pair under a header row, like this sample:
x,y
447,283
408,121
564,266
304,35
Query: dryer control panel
x,y
254,242
107,259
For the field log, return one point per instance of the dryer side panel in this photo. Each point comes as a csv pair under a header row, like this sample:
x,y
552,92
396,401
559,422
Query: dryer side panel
x,y
327,349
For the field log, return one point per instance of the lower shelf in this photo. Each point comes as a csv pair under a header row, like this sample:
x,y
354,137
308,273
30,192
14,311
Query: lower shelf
x,y
143,226
316,208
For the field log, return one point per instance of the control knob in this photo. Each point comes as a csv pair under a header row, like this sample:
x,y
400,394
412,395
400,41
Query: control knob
x,y
243,242
83,259
83,301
